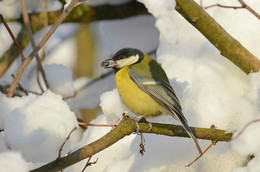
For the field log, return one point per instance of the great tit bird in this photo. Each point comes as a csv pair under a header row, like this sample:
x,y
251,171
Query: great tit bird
x,y
144,87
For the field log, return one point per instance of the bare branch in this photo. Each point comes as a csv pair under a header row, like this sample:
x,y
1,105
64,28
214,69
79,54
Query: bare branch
x,y
249,8
4,90
222,40
212,143
20,87
81,14
67,138
243,6
12,36
89,163
222,6
46,21
39,46
28,26
245,127
126,127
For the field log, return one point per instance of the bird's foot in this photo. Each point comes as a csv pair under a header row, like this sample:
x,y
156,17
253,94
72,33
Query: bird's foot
x,y
137,120
142,119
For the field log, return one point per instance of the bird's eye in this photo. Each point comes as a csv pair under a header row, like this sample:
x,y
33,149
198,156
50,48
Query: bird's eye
x,y
121,57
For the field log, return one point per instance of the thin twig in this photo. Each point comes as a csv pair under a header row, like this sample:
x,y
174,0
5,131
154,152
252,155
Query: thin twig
x,y
244,128
38,78
83,14
249,9
86,164
45,16
29,30
46,21
118,119
13,37
67,138
20,87
223,6
212,143
39,46
89,163
4,88
243,5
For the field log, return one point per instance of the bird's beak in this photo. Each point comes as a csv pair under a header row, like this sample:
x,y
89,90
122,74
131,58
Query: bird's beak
x,y
108,63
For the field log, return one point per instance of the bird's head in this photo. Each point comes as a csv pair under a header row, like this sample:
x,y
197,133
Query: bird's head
x,y
124,57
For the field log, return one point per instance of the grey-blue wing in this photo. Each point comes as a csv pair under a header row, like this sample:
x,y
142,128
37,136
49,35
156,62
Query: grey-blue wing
x,y
163,94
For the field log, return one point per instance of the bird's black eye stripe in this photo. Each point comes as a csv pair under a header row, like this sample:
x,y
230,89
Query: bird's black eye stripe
x,y
121,57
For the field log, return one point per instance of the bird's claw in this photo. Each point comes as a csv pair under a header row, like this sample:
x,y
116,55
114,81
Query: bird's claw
x,y
142,119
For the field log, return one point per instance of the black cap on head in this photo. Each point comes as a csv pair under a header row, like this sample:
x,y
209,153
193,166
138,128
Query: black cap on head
x,y
127,52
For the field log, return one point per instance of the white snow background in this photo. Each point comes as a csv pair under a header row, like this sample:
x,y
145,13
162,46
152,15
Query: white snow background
x,y
211,89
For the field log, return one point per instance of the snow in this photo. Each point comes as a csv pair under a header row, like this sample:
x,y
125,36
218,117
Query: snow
x,y
112,106
12,8
58,42
143,27
93,90
211,90
8,105
247,140
39,126
68,2
117,152
13,162
60,79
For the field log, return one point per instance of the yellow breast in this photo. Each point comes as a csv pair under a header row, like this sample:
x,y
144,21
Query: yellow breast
x,y
133,97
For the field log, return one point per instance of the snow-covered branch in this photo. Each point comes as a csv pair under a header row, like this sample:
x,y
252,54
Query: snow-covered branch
x,y
221,39
126,127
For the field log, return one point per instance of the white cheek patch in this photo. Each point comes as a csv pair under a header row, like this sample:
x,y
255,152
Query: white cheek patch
x,y
128,61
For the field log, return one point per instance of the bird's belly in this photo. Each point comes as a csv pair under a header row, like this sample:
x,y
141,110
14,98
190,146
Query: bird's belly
x,y
134,98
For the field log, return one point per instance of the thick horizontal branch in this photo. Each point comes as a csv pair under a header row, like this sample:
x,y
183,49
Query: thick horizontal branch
x,y
223,41
177,130
126,127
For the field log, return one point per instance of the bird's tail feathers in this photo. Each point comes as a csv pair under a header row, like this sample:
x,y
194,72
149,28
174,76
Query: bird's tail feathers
x,y
188,130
